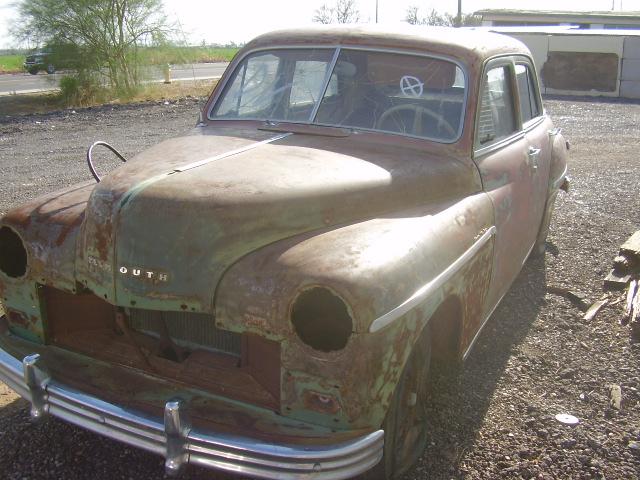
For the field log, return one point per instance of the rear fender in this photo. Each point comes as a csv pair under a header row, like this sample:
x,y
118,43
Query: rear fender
x,y
559,157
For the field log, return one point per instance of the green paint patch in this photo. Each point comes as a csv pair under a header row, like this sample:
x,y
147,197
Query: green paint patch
x,y
11,63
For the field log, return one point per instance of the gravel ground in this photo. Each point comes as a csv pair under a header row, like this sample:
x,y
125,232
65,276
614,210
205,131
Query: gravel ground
x,y
536,358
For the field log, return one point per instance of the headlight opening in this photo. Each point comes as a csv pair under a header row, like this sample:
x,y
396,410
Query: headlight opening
x,y
321,319
13,254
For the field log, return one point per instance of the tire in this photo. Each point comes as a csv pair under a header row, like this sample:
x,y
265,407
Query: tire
x,y
33,70
51,69
405,427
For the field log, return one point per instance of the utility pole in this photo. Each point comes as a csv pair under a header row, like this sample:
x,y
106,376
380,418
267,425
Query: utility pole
x,y
459,17
376,11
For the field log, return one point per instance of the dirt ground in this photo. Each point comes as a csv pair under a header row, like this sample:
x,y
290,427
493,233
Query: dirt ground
x,y
536,358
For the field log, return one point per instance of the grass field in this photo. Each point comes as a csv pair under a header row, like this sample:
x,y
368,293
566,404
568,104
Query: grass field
x,y
149,56
46,102
11,63
179,55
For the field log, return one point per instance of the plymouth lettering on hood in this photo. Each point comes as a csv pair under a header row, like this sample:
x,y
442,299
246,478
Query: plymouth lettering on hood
x,y
153,276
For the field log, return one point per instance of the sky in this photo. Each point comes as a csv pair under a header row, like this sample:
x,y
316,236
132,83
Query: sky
x,y
214,21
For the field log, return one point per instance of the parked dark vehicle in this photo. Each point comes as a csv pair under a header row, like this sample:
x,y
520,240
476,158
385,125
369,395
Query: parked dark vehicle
x,y
39,61
265,294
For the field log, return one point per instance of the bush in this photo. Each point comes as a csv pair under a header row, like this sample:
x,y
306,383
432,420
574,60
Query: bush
x,y
82,90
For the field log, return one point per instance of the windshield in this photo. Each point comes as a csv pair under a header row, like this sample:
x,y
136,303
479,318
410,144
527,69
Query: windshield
x,y
371,90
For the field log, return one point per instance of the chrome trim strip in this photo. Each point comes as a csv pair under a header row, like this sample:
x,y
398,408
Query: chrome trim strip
x,y
437,282
246,148
173,438
478,153
533,123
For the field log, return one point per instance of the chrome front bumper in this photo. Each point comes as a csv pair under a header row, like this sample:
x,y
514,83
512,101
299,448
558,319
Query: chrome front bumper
x,y
173,438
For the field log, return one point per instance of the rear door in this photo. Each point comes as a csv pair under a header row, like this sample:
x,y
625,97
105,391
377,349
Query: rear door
x,y
536,126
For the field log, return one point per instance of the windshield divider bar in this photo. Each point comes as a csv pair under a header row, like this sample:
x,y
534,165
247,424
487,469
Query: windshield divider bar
x,y
327,79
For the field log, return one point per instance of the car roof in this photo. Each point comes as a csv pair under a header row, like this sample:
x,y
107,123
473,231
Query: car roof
x,y
465,44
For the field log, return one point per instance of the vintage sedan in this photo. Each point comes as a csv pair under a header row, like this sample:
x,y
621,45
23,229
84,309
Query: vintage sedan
x,y
264,295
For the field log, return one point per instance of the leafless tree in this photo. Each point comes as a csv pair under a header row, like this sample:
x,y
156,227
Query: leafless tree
x,y
347,11
344,11
411,16
436,18
324,15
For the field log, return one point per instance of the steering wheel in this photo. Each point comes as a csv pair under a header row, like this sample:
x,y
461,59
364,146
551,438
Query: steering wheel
x,y
418,112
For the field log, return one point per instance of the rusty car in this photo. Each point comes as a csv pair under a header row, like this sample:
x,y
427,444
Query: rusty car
x,y
265,294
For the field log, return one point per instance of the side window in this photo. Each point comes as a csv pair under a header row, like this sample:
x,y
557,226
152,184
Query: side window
x,y
527,93
496,119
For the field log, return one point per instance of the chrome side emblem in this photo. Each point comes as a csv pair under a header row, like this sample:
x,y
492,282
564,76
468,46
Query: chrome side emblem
x,y
153,276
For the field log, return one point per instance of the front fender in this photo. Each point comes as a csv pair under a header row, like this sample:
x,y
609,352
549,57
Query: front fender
x,y
375,267
48,227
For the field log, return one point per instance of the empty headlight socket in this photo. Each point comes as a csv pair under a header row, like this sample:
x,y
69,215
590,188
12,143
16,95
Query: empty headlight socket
x,y
13,254
321,319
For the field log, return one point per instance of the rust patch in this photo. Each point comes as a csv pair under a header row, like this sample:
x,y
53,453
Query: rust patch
x,y
19,319
321,402
581,71
67,228
103,233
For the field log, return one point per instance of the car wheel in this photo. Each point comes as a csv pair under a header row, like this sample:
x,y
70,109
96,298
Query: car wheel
x,y
51,69
33,71
405,426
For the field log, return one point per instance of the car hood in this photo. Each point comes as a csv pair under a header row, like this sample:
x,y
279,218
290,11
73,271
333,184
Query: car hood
x,y
160,231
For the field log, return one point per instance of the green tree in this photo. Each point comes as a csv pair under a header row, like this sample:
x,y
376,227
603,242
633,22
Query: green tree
x,y
107,33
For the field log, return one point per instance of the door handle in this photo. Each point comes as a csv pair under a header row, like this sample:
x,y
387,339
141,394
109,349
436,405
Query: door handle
x,y
533,154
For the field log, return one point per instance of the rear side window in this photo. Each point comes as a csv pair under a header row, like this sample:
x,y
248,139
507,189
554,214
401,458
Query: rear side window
x,y
527,93
496,119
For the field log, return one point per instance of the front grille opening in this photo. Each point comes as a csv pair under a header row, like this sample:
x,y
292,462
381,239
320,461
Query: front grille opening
x,y
182,347
179,333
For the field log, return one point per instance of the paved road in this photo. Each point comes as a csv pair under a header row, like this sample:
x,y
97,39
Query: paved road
x,y
26,83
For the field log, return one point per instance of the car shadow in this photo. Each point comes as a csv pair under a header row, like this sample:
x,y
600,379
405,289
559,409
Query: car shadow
x,y
460,400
